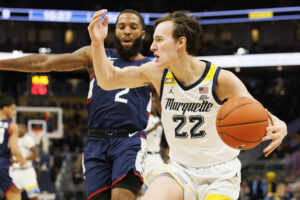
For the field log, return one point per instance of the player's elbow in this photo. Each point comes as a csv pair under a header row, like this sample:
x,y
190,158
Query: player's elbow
x,y
104,86
107,82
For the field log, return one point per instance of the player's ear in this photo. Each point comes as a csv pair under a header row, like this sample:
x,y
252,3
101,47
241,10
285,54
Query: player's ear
x,y
181,41
143,35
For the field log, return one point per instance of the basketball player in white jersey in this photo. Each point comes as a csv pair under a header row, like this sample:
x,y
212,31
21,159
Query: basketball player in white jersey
x,y
191,91
25,177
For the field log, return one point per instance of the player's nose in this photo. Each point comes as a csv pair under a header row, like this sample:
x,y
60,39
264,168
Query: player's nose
x,y
127,30
153,46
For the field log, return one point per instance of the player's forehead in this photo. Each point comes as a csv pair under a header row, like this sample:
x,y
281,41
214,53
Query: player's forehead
x,y
12,106
22,126
164,29
128,18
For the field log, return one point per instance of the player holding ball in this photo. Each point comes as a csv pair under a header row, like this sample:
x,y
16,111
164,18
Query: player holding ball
x,y
202,166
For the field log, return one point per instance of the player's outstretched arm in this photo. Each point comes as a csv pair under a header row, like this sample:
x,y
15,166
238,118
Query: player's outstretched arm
x,y
50,62
228,86
13,143
108,76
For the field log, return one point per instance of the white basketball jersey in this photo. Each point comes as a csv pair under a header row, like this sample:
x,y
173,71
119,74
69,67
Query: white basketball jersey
x,y
154,137
189,120
25,143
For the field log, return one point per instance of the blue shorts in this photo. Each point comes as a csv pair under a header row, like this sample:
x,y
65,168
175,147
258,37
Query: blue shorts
x,y
107,160
6,182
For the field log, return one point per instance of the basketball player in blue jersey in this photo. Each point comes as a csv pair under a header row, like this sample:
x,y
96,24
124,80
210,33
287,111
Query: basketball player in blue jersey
x,y
8,145
191,91
115,150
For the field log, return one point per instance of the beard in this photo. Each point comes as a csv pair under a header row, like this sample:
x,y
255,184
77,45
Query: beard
x,y
128,53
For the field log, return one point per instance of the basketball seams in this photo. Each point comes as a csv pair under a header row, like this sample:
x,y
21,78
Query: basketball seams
x,y
219,121
238,138
243,123
236,109
239,123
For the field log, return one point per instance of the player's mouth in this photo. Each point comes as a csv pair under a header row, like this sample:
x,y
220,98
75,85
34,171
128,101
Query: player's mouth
x,y
127,43
156,57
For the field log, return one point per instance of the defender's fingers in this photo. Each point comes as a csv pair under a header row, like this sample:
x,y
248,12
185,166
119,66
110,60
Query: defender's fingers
x,y
105,21
98,14
93,23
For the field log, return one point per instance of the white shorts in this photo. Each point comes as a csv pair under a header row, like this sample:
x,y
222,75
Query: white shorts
x,y
217,182
154,163
25,179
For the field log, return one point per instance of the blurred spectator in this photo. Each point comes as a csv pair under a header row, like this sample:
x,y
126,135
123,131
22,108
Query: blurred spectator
x,y
255,188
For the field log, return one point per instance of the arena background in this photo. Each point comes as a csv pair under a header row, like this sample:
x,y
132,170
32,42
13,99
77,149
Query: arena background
x,y
261,41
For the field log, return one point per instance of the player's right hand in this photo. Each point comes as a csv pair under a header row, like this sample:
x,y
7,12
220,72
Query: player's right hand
x,y
22,162
97,29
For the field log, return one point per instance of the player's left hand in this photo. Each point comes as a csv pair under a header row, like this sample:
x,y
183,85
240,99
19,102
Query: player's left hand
x,y
97,29
276,131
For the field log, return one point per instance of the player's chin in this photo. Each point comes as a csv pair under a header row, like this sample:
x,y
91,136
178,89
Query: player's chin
x,y
160,62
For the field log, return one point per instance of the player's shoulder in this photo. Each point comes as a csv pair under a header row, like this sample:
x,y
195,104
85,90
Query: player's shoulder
x,y
28,138
225,76
13,125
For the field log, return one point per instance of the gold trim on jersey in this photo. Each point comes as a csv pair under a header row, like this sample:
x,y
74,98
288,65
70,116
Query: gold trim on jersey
x,y
216,197
166,169
211,73
170,79
31,187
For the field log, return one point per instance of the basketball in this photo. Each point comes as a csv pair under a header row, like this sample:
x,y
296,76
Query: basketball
x,y
242,122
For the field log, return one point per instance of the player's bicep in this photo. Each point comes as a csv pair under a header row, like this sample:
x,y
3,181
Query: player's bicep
x,y
14,134
229,85
130,77
135,76
70,61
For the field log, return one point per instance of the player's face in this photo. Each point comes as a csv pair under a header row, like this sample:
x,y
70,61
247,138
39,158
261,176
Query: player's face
x,y
22,129
164,46
10,111
128,29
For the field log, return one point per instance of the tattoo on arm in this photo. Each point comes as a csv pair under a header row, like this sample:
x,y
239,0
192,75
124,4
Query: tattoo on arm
x,y
46,63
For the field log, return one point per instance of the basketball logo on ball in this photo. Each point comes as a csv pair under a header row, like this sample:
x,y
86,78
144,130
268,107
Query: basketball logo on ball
x,y
242,122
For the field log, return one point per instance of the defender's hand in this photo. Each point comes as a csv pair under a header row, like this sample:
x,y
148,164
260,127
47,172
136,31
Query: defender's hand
x,y
97,29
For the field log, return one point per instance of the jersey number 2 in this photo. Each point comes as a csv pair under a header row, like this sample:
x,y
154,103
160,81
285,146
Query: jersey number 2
x,y
197,119
118,97
2,130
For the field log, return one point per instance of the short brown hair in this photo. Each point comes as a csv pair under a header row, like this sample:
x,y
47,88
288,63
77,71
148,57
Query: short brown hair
x,y
185,24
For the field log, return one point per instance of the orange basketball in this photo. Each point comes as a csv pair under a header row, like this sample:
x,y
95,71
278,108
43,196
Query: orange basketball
x,y
242,122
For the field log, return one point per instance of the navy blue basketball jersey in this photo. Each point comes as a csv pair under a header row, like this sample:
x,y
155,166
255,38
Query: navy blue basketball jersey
x,y
126,108
4,136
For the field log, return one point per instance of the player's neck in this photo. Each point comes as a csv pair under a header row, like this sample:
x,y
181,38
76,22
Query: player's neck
x,y
188,70
139,56
2,115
